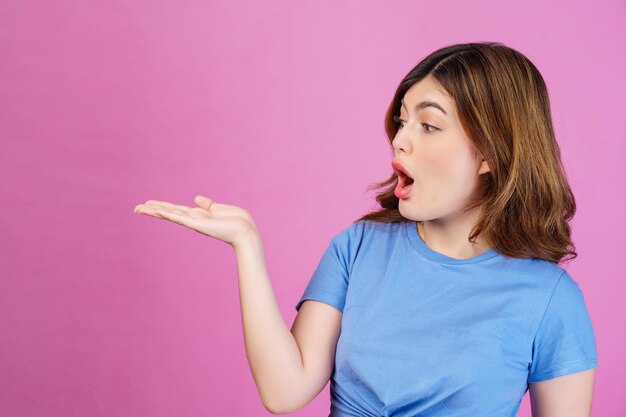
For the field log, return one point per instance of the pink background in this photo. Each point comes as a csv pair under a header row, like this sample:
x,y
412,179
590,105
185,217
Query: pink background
x,y
274,106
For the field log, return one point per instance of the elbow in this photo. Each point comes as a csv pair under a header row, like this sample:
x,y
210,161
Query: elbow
x,y
271,408
276,408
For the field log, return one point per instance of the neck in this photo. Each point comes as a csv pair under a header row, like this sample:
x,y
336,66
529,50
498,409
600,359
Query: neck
x,y
451,238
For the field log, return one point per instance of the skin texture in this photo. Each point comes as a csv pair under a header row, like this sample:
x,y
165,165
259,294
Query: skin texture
x,y
565,396
446,168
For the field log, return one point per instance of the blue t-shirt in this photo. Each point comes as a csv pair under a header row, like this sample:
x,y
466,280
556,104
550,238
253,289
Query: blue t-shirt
x,y
424,334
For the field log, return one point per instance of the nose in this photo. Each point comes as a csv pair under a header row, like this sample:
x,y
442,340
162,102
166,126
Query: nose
x,y
400,142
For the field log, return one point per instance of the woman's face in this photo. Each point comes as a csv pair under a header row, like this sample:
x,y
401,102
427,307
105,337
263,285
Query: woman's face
x,y
433,148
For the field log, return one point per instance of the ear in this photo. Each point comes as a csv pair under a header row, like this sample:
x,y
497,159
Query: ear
x,y
484,168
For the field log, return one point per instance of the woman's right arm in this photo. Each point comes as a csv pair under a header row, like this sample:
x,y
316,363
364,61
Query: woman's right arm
x,y
290,367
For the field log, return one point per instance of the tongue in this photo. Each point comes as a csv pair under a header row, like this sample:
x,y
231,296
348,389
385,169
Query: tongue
x,y
403,192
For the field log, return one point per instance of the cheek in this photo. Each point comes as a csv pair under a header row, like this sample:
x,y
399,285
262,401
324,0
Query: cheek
x,y
449,174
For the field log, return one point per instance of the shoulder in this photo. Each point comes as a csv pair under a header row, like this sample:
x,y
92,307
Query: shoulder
x,y
539,274
367,232
369,227
567,292
558,281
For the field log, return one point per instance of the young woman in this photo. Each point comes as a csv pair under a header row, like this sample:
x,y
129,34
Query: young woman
x,y
448,300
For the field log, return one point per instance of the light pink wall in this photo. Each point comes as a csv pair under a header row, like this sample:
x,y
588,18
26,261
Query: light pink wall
x,y
273,106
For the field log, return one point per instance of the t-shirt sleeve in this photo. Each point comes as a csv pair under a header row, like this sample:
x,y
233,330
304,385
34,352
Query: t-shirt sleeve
x,y
329,282
565,342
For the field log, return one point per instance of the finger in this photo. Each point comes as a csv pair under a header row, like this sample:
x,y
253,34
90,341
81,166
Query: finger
x,y
167,205
149,210
177,217
142,208
204,202
172,214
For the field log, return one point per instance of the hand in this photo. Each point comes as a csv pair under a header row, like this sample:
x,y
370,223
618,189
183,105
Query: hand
x,y
224,222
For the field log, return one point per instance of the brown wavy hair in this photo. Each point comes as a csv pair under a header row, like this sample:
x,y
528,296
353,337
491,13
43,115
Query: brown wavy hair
x,y
502,103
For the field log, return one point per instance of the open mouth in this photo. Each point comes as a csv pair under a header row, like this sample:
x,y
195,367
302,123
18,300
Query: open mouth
x,y
404,186
403,179
405,182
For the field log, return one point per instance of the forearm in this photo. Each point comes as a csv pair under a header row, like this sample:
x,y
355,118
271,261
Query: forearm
x,y
272,351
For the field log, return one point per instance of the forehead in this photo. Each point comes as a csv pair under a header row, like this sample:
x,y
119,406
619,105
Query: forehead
x,y
428,90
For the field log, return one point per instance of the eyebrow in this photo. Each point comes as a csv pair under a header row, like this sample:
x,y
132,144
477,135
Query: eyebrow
x,y
425,104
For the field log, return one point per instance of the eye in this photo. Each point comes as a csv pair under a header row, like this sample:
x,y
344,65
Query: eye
x,y
428,128
399,122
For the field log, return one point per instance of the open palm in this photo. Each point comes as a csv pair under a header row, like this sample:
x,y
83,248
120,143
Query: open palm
x,y
224,222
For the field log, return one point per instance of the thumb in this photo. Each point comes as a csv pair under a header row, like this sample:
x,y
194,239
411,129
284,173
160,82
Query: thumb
x,y
203,201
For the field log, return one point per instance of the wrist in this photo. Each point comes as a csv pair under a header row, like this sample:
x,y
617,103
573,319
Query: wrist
x,y
250,239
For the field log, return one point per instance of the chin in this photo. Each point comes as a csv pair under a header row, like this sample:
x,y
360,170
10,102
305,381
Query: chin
x,y
415,214
411,213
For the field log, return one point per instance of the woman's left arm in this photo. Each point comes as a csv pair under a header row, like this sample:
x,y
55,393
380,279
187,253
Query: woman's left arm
x,y
565,396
